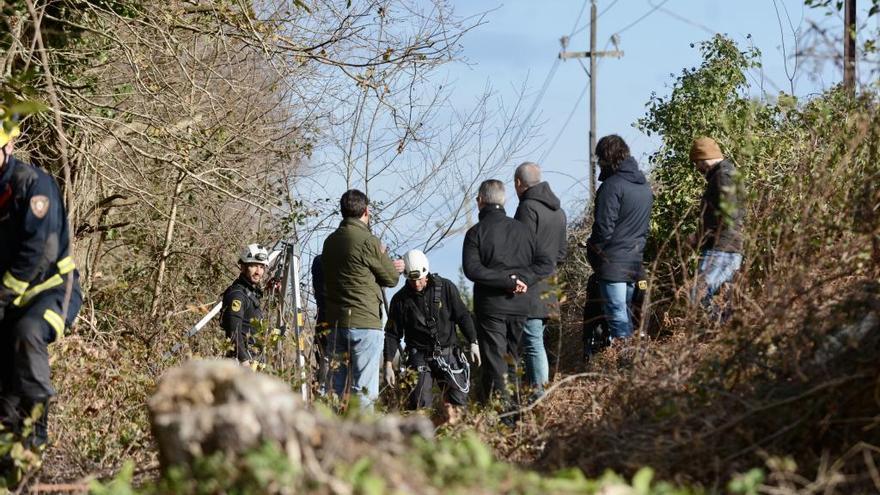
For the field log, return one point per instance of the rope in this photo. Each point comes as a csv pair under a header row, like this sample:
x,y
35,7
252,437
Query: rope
x,y
452,373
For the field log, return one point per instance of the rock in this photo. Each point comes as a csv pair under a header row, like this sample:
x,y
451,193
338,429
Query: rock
x,y
208,406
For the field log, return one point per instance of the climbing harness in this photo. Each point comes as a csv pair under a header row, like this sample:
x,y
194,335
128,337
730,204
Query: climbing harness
x,y
460,378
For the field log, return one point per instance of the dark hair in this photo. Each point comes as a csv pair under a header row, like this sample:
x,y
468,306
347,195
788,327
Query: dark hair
x,y
353,204
612,150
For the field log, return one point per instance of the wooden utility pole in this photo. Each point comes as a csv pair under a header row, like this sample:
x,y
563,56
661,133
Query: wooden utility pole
x,y
592,55
849,47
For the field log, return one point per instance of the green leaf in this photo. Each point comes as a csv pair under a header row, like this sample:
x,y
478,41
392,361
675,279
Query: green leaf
x,y
27,107
642,481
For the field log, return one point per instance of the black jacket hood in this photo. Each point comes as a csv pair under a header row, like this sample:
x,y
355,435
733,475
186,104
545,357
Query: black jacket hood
x,y
541,192
629,171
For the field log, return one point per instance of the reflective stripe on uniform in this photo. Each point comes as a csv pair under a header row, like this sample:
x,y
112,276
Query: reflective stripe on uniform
x,y
16,285
65,266
56,321
51,282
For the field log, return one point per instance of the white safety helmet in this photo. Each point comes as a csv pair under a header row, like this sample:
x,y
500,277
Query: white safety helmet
x,y
254,253
415,264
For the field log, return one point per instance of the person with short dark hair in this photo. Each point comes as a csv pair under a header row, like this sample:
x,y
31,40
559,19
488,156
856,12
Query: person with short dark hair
x,y
540,210
356,267
620,229
500,255
721,221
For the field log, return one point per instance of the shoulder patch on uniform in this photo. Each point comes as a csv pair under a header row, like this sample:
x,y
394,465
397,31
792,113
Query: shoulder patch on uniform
x,y
236,305
40,205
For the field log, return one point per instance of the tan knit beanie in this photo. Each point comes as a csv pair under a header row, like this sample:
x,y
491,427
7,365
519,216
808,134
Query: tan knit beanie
x,y
705,148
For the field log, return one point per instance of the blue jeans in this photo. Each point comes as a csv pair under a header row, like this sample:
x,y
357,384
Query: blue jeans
x,y
616,297
716,269
358,353
537,368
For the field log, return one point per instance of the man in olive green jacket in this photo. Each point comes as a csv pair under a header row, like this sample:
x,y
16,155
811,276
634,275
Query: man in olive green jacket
x,y
355,266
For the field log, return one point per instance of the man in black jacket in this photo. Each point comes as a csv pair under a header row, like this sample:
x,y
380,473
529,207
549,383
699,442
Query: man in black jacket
x,y
424,313
241,305
540,210
620,229
720,234
500,256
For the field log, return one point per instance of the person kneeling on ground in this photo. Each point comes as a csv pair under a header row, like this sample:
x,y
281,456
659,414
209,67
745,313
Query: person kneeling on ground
x,y
424,314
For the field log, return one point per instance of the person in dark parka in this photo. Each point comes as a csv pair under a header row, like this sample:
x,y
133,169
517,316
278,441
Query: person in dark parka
x,y
540,210
620,228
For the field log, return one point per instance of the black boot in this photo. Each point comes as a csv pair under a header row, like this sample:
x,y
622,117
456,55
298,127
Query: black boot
x,y
37,435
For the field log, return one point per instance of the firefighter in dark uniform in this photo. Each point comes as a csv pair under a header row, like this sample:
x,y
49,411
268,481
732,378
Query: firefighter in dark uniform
x,y
39,292
424,313
241,305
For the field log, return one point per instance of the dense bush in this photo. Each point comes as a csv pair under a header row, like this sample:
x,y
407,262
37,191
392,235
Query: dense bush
x,y
790,382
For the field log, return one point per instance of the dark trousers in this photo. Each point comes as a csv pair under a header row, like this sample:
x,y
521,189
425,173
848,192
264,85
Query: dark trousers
x,y
429,372
25,334
500,337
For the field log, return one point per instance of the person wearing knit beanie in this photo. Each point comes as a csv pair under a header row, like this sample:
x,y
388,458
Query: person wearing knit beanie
x,y
705,148
720,233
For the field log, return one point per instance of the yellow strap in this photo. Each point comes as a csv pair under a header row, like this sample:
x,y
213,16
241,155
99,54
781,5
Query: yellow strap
x,y
16,285
66,265
53,281
56,321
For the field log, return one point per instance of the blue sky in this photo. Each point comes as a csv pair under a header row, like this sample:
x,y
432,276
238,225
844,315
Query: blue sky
x,y
519,42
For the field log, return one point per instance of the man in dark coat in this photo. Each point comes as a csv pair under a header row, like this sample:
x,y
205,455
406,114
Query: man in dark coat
x,y
720,233
620,228
500,255
424,313
540,210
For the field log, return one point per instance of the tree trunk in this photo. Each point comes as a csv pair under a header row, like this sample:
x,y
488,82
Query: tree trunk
x,y
166,249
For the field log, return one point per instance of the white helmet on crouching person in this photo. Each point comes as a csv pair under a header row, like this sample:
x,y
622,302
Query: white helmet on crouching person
x,y
254,253
415,264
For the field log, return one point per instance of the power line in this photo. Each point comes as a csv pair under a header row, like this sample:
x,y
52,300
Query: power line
x,y
685,20
537,101
585,26
580,14
547,80
654,8
564,126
